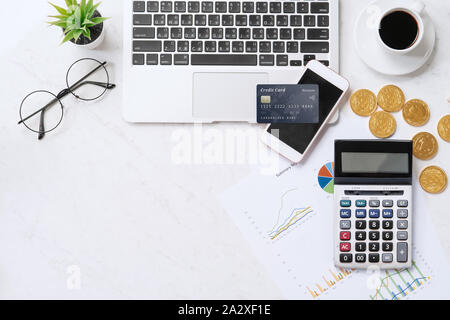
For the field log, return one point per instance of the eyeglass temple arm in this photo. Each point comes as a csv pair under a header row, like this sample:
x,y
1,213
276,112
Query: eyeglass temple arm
x,y
41,126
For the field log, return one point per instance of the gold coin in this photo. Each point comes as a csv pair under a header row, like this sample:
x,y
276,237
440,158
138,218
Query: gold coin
x,y
416,112
433,179
444,128
363,102
391,98
425,146
382,124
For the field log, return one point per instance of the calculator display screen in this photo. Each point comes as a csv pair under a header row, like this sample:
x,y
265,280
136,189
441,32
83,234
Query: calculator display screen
x,y
375,162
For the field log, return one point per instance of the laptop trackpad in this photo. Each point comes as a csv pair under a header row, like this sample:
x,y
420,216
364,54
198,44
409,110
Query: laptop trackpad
x,y
226,96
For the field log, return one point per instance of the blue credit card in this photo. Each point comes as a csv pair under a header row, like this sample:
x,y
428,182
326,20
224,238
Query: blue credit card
x,y
297,103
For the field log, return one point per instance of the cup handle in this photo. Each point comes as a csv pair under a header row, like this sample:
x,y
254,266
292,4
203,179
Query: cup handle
x,y
418,6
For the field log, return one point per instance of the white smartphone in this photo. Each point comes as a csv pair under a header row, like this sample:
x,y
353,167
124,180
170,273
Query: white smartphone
x,y
294,141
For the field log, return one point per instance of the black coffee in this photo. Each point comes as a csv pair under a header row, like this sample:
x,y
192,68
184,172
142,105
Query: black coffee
x,y
399,30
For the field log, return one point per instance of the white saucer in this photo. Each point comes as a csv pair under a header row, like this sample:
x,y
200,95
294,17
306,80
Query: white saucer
x,y
378,58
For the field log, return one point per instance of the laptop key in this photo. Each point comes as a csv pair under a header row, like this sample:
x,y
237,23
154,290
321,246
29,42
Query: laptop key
x,y
173,19
162,33
189,33
299,34
251,46
183,46
318,34
166,6
285,34
221,6
207,6
314,47
200,20
237,46
159,19
265,46
275,7
139,6
223,59
258,33
203,33
271,33
278,47
224,46
194,6
214,20
169,46
144,33
138,59
152,6
302,7
292,47
289,7
180,6
309,21
244,33
248,7
241,20
217,33
166,59
255,20
323,21
196,46
296,21
230,33
261,7
187,19
266,60
210,46
282,21
181,59
152,59
176,33
234,7
268,21
147,46
282,60
320,7
142,19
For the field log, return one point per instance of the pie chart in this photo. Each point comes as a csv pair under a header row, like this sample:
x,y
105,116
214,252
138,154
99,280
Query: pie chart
x,y
326,177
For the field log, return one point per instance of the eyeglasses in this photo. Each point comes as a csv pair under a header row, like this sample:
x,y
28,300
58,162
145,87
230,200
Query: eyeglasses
x,y
42,111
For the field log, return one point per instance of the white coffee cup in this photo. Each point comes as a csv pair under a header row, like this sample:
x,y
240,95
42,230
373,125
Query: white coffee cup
x,y
415,10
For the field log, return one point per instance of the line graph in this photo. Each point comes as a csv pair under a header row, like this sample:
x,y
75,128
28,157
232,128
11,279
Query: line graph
x,y
398,284
296,216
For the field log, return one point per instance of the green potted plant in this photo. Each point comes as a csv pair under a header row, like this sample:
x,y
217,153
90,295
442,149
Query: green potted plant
x,y
82,23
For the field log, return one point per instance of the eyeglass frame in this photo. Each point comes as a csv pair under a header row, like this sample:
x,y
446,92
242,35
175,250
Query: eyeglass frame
x,y
63,93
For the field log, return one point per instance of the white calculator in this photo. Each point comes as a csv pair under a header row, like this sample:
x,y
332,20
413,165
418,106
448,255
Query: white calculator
x,y
373,205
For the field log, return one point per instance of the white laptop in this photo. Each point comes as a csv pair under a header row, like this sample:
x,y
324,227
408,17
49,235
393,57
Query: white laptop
x,y
200,61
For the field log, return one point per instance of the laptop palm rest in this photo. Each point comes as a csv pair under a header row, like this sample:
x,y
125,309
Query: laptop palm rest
x,y
226,96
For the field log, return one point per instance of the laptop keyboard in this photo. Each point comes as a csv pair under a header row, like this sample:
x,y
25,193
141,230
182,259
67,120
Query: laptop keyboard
x,y
230,33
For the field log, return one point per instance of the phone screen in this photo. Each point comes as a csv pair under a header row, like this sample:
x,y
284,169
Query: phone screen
x,y
299,136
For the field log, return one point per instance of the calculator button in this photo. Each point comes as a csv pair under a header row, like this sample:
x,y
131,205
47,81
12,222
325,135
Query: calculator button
x,y
387,246
374,224
402,252
388,224
374,235
387,257
360,246
402,213
346,213
345,235
402,203
374,257
345,224
388,203
374,247
360,257
361,213
374,213
345,247
374,203
360,235
361,203
346,257
402,224
388,235
346,203
388,213
360,224
402,235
